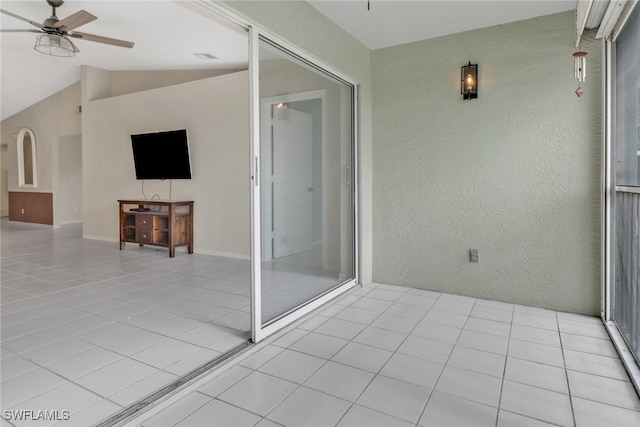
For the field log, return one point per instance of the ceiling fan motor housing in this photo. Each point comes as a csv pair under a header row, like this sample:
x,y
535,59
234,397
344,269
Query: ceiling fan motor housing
x,y
50,23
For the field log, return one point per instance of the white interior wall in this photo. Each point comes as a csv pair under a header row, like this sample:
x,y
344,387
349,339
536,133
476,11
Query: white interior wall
x,y
50,118
514,173
130,81
215,112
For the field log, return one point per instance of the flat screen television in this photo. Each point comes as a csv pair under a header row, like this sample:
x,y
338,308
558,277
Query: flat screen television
x,y
161,155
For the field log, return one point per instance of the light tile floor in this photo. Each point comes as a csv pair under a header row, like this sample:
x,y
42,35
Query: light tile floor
x,y
90,329
105,327
394,356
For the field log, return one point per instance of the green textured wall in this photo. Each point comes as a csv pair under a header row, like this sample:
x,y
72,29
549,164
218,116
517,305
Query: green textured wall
x,y
514,173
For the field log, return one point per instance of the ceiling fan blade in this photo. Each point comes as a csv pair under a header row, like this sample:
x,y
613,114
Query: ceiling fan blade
x,y
21,31
34,23
101,39
74,21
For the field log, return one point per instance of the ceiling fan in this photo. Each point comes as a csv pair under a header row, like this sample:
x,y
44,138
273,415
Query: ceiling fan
x,y
55,34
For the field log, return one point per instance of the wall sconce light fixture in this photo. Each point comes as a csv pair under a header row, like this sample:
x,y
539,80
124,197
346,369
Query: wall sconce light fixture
x,y
469,81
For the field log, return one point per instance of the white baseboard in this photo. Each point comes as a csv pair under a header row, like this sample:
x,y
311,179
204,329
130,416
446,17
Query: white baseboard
x,y
4,212
75,221
221,254
101,238
179,248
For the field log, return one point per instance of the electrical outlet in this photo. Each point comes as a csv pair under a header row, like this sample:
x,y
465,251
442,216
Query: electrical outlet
x,y
473,255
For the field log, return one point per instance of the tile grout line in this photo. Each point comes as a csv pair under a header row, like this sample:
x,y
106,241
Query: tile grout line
x,y
74,381
350,341
396,352
182,418
566,371
390,357
504,370
351,405
446,361
67,381
354,402
300,385
150,400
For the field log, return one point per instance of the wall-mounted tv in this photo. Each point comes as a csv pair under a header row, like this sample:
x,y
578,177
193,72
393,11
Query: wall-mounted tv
x,y
161,155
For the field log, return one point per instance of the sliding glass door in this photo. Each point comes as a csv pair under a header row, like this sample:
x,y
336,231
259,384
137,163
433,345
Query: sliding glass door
x,y
304,185
626,201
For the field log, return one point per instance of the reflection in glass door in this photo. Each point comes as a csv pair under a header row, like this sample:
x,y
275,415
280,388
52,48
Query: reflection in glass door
x,y
626,224
306,183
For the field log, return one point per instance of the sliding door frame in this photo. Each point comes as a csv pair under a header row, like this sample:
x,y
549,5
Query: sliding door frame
x,y
153,404
258,330
610,188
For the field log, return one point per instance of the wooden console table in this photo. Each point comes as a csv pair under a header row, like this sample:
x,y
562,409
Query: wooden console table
x,y
158,223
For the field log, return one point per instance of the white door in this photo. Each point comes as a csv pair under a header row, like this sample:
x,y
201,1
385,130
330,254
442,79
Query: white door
x,y
292,182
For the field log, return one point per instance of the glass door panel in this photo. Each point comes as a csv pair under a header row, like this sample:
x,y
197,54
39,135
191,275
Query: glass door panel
x,y
626,289
627,278
307,210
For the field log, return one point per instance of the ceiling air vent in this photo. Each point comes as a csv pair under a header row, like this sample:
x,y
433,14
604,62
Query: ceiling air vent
x,y
205,56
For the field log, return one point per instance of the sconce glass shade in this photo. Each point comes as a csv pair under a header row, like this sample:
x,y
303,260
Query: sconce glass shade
x,y
469,81
55,45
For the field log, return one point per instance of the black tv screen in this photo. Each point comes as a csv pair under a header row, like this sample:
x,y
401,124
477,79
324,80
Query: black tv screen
x,y
161,155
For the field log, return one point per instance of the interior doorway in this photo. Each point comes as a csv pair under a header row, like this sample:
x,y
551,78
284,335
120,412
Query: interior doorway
x,y
68,200
292,176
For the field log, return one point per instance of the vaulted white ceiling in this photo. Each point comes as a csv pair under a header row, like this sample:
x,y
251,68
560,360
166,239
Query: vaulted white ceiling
x,y
167,34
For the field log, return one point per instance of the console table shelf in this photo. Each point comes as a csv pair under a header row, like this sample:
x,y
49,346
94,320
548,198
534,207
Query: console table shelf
x,y
157,222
